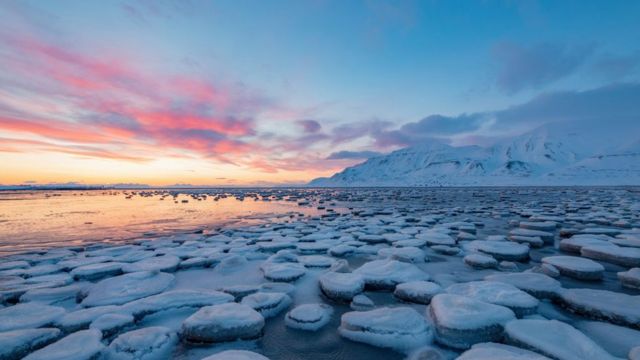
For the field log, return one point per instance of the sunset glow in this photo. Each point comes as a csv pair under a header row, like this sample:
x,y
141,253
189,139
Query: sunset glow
x,y
201,93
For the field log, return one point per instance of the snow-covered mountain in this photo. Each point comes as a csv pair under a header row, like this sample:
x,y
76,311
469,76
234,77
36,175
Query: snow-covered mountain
x,y
549,155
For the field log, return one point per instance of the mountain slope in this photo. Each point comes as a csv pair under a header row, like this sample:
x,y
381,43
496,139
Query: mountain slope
x,y
550,155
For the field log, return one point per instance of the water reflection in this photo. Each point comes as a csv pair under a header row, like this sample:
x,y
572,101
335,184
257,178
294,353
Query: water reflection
x,y
35,219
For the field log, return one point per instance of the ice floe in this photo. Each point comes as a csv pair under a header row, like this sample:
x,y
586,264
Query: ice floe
x,y
497,293
175,299
480,261
386,274
614,254
362,302
52,295
310,317
236,355
495,351
341,286
110,324
225,322
268,304
554,339
538,285
614,307
461,322
29,315
630,278
81,345
420,292
150,343
167,263
96,271
576,267
399,328
16,344
287,271
492,260
81,319
128,287
501,250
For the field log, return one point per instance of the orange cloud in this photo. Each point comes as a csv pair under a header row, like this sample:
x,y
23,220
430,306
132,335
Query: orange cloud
x,y
95,106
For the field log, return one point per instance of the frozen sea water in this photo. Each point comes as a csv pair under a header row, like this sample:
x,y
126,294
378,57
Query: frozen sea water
x,y
223,240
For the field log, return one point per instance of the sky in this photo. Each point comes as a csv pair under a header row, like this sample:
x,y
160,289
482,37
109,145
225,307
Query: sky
x,y
280,92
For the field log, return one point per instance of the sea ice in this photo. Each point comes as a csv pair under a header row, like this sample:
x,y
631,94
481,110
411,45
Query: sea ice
x,y
51,295
575,243
614,307
236,355
225,322
128,287
16,344
96,271
554,339
497,293
428,352
446,250
310,317
342,250
279,287
630,278
268,304
400,328
436,238
461,321
316,261
19,264
601,231
539,225
501,250
546,236
167,263
420,292
538,285
617,340
494,351
28,315
240,291
150,343
406,254
175,299
480,261
81,319
386,274
533,241
362,302
110,324
81,345
628,240
372,238
286,271
623,256
231,263
576,267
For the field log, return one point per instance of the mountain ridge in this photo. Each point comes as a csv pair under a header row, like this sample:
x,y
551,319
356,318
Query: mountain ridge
x,y
549,155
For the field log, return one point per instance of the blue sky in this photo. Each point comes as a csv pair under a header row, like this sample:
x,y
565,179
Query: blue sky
x,y
359,69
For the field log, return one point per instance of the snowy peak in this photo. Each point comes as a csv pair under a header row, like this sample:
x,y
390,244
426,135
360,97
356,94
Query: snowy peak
x,y
537,148
545,156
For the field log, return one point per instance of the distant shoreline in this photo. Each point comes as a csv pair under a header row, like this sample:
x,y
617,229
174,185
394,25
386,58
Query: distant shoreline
x,y
151,188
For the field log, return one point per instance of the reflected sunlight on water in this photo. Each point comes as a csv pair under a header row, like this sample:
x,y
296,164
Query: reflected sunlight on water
x,y
33,219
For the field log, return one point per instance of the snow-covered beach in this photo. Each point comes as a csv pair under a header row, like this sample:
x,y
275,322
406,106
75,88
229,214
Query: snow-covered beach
x,y
528,273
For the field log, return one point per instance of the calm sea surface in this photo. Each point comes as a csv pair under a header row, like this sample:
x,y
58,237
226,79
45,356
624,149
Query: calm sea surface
x,y
36,219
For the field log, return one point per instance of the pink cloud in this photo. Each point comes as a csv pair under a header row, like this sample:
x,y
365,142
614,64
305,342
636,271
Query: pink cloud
x,y
108,107
178,112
